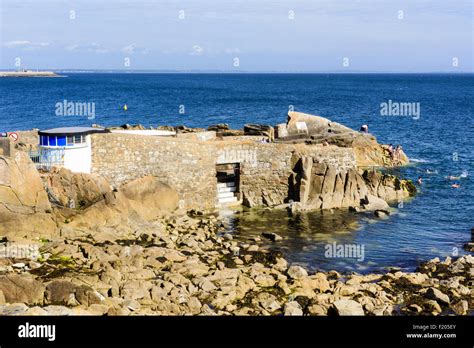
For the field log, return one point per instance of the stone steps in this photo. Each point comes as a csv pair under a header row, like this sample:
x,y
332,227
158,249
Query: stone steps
x,y
226,193
227,189
227,200
225,184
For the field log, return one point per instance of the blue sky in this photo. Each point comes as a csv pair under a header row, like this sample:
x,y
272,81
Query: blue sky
x,y
261,35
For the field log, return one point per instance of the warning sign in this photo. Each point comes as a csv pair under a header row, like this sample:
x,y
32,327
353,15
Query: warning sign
x,y
13,136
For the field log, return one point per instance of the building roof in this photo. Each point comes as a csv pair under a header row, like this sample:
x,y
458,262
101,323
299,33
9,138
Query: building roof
x,y
73,131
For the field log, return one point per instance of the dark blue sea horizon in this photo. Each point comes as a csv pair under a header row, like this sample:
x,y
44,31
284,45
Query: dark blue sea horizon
x,y
439,143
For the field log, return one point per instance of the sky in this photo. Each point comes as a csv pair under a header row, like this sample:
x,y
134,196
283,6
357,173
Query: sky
x,y
239,35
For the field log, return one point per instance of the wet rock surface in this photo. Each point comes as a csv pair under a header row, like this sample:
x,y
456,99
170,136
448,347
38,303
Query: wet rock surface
x,y
182,264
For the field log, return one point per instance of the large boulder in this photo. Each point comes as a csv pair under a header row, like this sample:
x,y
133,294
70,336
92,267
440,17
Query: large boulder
x,y
21,289
144,198
318,185
320,130
150,197
75,190
24,205
347,307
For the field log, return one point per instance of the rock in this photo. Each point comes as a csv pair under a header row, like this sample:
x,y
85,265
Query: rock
x,y
259,129
461,307
348,307
272,236
21,288
268,302
382,214
74,190
24,205
297,272
98,309
146,198
60,292
2,298
437,295
347,290
218,127
36,311
432,306
376,204
469,246
319,282
132,305
13,309
293,308
264,280
317,309
415,308
194,305
88,296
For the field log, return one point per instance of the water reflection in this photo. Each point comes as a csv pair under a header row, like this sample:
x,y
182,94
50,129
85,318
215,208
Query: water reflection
x,y
306,236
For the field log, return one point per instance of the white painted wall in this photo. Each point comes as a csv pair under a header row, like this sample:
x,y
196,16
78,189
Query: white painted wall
x,y
150,132
78,158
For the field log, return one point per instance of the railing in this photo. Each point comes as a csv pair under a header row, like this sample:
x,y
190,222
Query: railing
x,y
46,158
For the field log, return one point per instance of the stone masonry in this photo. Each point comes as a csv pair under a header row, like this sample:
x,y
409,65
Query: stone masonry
x,y
189,165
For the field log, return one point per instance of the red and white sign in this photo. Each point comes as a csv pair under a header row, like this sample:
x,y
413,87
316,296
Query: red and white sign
x,y
13,136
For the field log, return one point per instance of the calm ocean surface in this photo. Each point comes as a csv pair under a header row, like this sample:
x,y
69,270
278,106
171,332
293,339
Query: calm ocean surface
x,y
436,223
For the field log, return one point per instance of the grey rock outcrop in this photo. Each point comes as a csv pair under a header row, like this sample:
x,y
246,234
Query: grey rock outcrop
x,y
24,204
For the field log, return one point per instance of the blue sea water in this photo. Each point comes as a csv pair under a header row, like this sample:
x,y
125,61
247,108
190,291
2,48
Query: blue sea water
x,y
440,143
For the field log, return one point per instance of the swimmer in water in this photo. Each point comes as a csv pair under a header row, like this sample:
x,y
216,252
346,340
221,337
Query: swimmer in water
x,y
452,177
420,180
455,185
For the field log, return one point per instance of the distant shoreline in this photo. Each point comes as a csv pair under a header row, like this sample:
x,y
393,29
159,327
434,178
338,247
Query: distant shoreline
x,y
56,72
29,74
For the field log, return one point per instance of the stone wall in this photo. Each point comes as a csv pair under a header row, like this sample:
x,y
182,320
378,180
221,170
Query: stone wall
x,y
186,166
189,165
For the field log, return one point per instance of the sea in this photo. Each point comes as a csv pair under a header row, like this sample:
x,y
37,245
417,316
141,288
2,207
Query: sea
x,y
436,131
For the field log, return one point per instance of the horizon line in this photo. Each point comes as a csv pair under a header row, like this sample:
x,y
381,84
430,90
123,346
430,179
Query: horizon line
x,y
216,71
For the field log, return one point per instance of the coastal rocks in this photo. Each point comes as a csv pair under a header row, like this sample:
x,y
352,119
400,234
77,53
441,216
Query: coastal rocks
x,y
461,307
21,288
218,127
293,308
145,198
435,294
24,206
74,190
297,272
148,196
347,307
259,129
388,187
60,293
320,130
181,264
321,186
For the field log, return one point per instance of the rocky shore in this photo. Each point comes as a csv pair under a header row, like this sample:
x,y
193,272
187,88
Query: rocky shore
x,y
74,244
185,265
